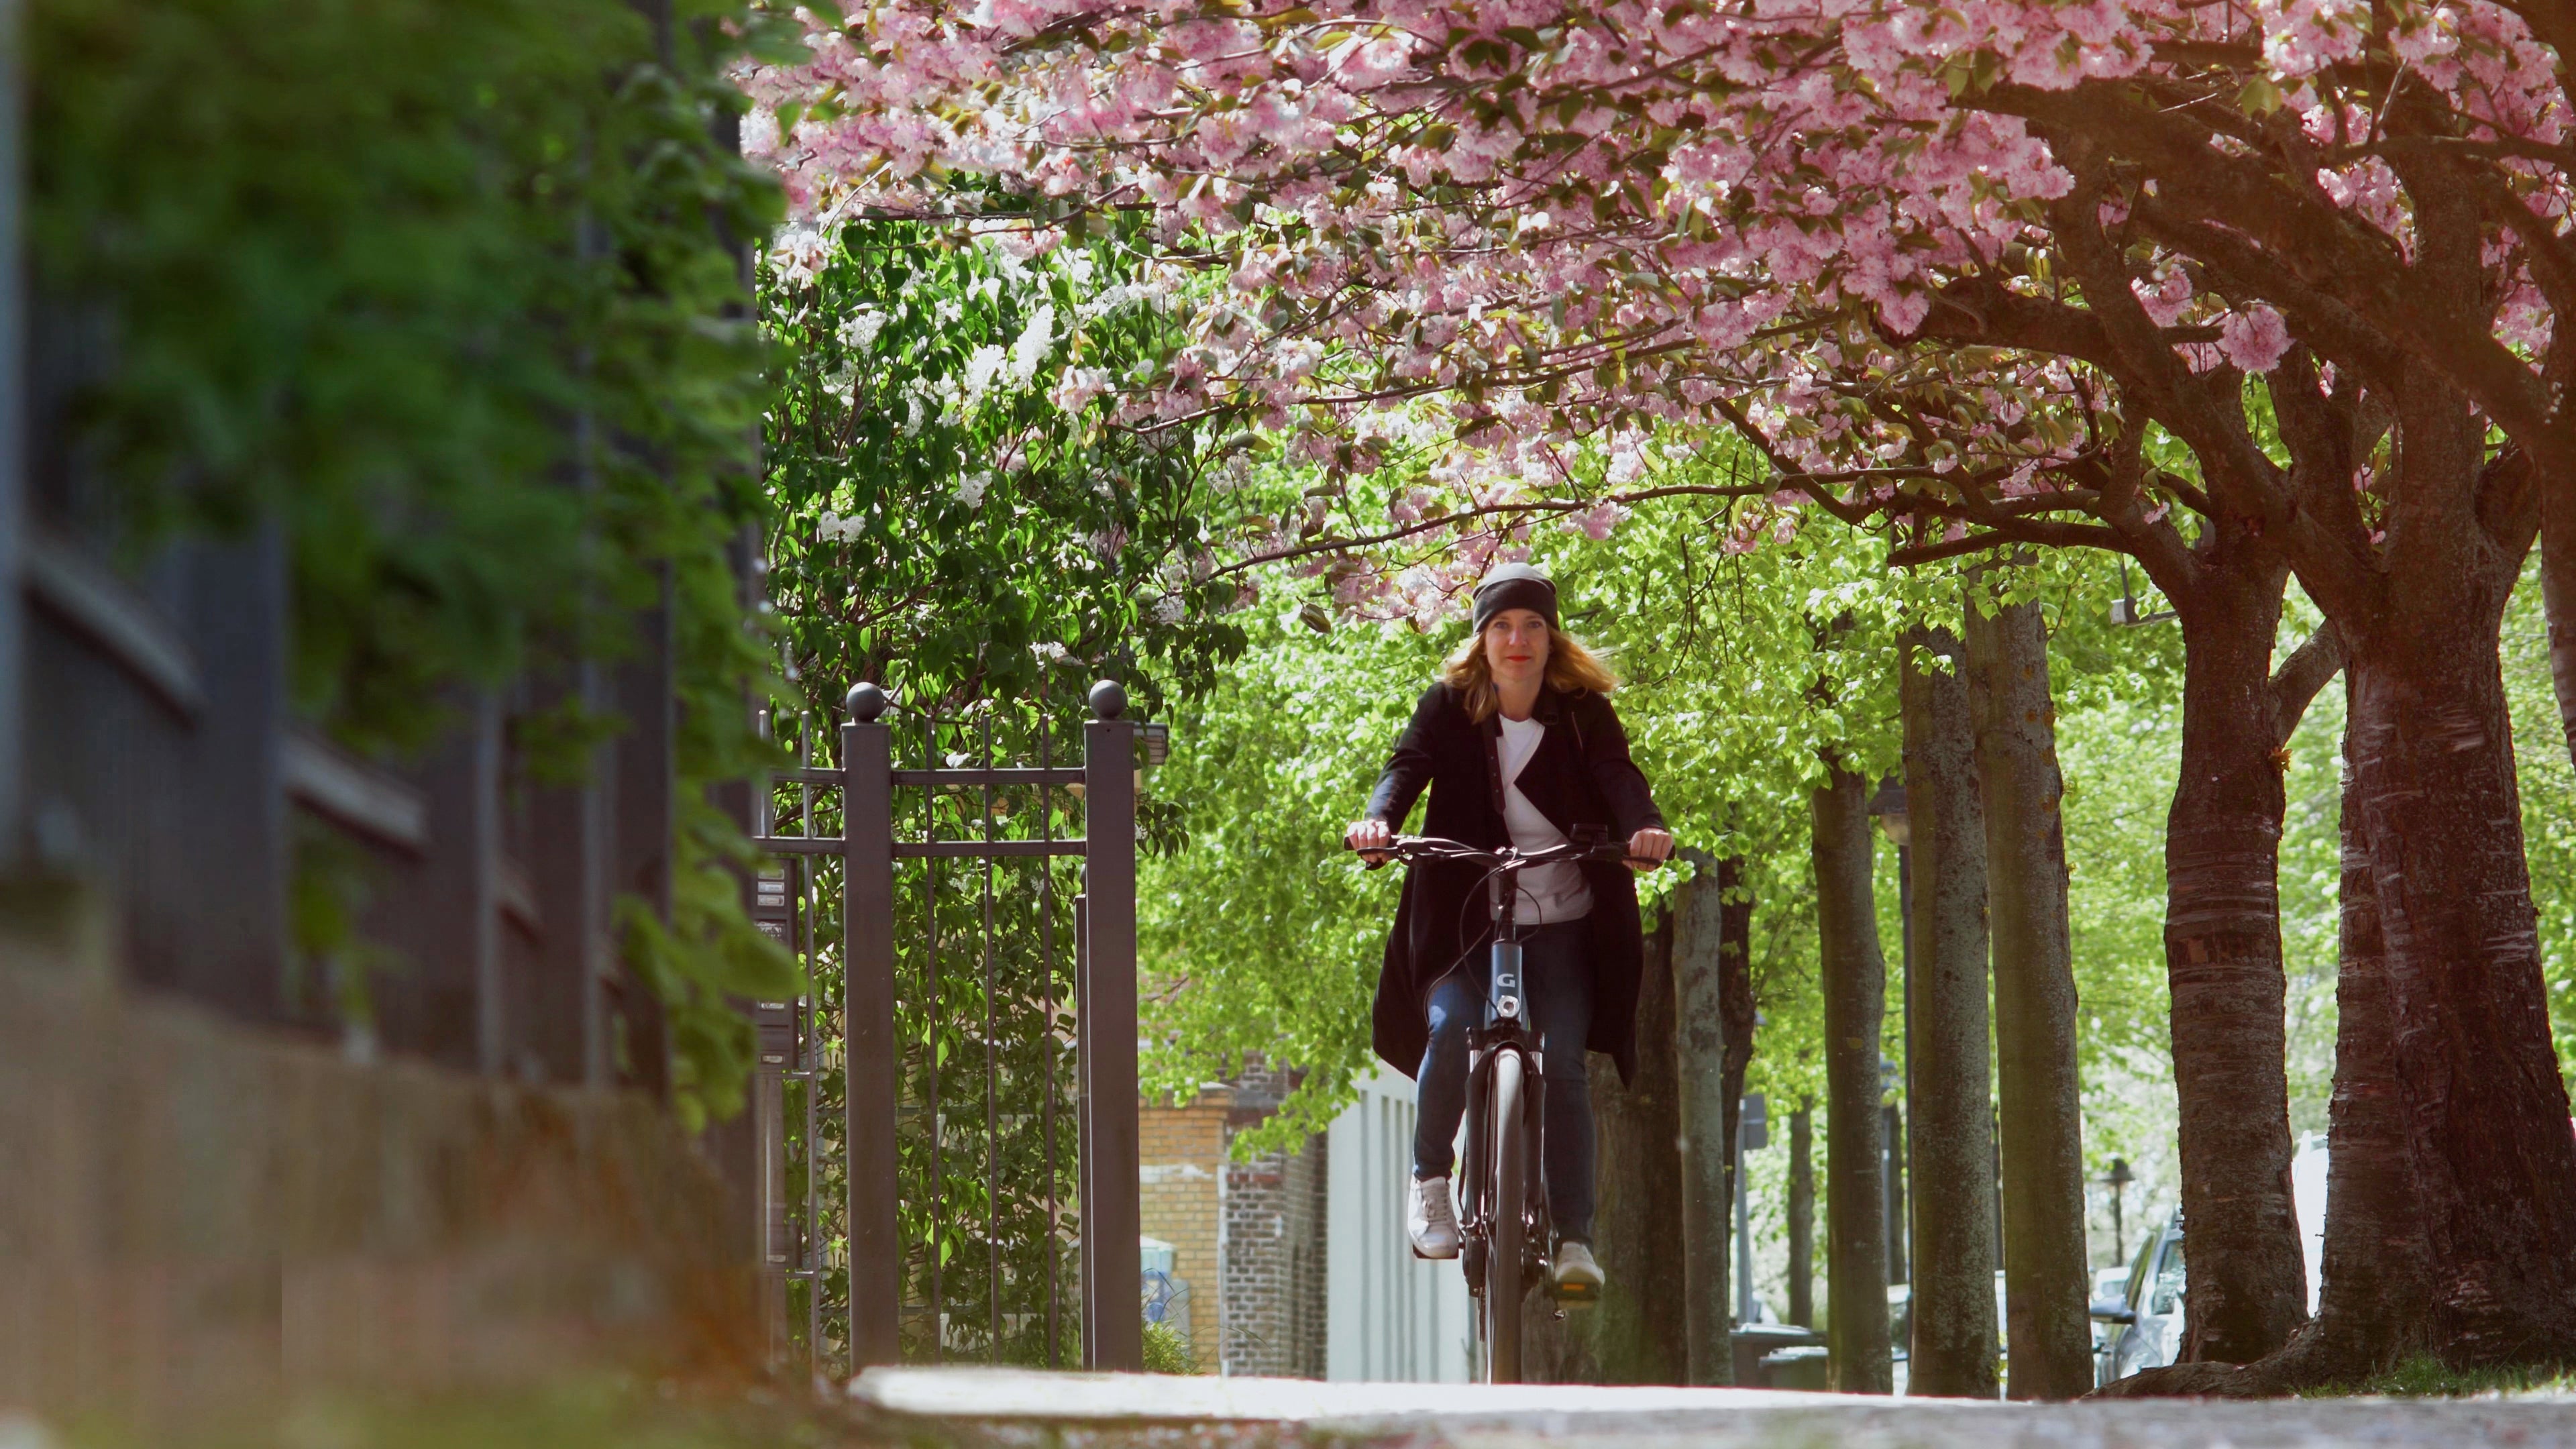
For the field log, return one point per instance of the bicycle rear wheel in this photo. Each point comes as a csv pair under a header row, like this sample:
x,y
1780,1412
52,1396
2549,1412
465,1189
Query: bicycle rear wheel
x,y
1509,1197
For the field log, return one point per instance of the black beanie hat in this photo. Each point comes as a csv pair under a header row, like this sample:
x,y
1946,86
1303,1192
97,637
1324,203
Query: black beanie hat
x,y
1515,586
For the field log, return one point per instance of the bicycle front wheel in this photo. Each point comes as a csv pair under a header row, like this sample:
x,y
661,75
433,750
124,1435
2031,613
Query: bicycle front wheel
x,y
1508,1194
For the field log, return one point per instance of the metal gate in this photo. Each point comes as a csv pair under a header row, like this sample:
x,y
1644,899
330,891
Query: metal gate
x,y
932,1163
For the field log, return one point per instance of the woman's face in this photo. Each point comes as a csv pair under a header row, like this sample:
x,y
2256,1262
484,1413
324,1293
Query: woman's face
x,y
1516,646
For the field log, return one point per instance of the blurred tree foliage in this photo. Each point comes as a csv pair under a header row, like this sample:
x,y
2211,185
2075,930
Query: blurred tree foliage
x,y
953,522
1739,670
451,294
960,514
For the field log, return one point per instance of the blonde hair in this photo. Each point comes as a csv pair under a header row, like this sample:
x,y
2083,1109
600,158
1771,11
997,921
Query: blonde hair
x,y
1570,667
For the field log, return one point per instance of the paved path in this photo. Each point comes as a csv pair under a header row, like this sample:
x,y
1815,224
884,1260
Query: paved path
x,y
1107,1411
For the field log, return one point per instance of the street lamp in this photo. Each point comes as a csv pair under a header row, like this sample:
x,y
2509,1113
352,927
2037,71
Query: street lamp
x,y
1752,1134
1891,1177
2118,1182
1887,807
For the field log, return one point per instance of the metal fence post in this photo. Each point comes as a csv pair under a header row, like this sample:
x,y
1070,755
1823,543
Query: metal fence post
x,y
871,1055
1113,1336
13,436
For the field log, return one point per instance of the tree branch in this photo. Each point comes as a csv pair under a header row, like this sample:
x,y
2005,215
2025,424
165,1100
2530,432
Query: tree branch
x,y
1522,506
2295,684
2056,535
2243,477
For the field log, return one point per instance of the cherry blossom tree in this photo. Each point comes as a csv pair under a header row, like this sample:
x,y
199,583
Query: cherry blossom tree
x,y
2001,273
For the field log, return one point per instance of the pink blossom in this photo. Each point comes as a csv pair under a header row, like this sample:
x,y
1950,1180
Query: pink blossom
x,y
2165,300
1360,190
1597,521
2254,339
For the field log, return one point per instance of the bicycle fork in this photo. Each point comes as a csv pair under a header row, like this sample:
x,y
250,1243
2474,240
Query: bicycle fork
x,y
1506,1030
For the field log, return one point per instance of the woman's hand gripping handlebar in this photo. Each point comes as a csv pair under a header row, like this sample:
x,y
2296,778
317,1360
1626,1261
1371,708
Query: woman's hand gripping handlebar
x,y
1377,844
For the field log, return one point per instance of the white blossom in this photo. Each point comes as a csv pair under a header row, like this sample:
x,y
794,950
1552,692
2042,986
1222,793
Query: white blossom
x,y
1108,300
1078,386
1032,347
859,330
970,489
798,251
982,366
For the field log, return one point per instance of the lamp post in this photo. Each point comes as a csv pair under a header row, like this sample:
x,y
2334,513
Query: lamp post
x,y
1887,807
1752,1134
2118,1182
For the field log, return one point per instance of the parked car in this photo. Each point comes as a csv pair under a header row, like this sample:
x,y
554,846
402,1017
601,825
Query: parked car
x,y
2111,1282
2141,1326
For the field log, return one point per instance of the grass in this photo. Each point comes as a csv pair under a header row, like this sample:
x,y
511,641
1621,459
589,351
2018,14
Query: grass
x,y
2426,1377
1167,1352
595,1414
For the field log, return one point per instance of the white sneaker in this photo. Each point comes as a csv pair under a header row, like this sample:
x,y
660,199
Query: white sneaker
x,y
1429,1219
1577,1276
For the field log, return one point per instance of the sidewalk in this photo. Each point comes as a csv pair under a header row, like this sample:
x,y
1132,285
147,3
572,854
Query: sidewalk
x,y
1103,1409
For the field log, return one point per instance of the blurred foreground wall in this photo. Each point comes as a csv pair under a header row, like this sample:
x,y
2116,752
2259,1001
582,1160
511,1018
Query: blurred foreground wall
x,y
197,1217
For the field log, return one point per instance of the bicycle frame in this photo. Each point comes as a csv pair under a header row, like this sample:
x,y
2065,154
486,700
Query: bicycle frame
x,y
1505,1033
1506,1028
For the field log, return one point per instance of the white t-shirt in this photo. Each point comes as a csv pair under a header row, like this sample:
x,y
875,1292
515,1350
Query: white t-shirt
x,y
1555,892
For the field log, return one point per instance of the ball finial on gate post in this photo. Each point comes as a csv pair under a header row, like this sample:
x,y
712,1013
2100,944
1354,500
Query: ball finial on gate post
x,y
865,703
1108,700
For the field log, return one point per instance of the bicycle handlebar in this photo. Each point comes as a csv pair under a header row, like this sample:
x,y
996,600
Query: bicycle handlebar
x,y
1432,847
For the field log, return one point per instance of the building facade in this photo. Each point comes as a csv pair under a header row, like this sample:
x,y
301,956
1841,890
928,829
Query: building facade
x,y
1246,1285
1389,1315
1295,1263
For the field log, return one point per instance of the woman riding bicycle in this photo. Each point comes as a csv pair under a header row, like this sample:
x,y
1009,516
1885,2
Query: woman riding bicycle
x,y
1520,748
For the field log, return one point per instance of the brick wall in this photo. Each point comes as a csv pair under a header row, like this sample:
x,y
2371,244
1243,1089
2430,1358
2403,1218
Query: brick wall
x,y
1248,1237
1275,1260
197,1217
1181,1164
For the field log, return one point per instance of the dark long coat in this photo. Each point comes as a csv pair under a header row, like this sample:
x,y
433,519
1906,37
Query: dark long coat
x,y
1580,776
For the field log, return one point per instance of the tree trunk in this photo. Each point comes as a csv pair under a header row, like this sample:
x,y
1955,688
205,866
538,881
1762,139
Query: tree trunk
x,y
1635,1334
2480,1153
2223,961
1801,1308
2371,1297
1699,1058
1854,979
1946,1042
2045,1273
2370,1300
2484,1107
2432,756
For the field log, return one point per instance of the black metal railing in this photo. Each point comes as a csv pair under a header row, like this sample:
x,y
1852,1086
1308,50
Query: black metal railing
x,y
956,1012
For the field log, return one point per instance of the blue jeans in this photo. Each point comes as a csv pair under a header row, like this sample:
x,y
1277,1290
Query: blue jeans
x,y
1556,981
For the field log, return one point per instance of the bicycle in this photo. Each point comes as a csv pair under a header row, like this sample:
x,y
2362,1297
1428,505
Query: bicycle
x,y
1504,1247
